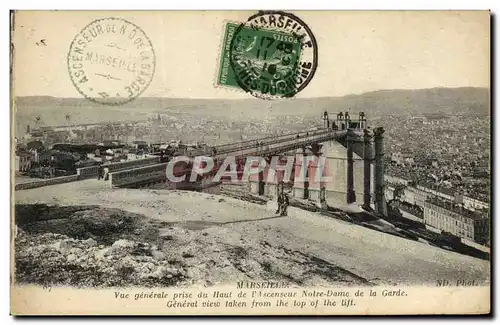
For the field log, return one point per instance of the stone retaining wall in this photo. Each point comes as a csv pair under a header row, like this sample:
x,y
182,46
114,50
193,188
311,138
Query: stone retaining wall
x,y
50,181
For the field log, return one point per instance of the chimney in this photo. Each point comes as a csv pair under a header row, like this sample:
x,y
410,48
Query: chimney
x,y
380,207
367,159
351,195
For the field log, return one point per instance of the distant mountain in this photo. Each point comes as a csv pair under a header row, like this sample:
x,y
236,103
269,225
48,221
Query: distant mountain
x,y
464,101
449,101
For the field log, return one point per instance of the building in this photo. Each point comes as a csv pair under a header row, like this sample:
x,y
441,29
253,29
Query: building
x,y
140,145
408,211
414,195
411,211
402,158
396,180
474,204
439,191
457,220
133,154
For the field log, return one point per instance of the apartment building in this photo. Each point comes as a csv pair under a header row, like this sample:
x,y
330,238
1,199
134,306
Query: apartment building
x,y
457,220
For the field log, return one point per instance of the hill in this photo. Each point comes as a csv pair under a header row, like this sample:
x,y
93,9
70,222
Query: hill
x,y
463,101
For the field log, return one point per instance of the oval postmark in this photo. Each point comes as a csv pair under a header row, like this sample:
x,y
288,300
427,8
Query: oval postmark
x,y
273,55
111,61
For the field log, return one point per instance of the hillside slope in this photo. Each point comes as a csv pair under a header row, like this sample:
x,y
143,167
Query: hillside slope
x,y
468,101
365,254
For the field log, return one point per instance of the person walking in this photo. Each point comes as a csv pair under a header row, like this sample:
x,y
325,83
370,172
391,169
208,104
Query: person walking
x,y
100,172
280,203
286,202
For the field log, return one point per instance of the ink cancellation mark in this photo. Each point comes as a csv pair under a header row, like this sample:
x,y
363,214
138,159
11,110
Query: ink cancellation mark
x,y
111,61
272,55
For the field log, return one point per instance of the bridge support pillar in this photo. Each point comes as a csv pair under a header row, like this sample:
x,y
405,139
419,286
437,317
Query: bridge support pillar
x,y
254,187
367,159
256,181
273,190
301,182
351,195
315,173
262,184
314,188
274,177
380,206
305,165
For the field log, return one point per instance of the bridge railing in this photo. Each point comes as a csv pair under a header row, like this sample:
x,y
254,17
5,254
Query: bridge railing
x,y
87,172
249,143
124,177
158,171
263,142
293,145
131,163
92,171
269,141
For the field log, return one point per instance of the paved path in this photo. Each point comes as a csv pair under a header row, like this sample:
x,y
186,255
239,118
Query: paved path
x,y
375,256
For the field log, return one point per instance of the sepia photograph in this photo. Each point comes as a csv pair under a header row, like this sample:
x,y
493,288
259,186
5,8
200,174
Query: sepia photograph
x,y
250,162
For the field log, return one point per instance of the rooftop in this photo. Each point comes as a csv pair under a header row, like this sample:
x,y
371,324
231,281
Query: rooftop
x,y
457,210
437,188
411,208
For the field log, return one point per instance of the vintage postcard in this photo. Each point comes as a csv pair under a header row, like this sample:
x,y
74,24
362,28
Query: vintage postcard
x,y
250,162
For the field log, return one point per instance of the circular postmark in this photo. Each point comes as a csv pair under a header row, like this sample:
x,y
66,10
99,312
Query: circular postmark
x,y
273,55
111,61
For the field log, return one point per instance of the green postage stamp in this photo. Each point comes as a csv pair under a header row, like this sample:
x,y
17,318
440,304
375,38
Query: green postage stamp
x,y
273,55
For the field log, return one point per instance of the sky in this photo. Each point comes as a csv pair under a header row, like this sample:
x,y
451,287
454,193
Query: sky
x,y
358,51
